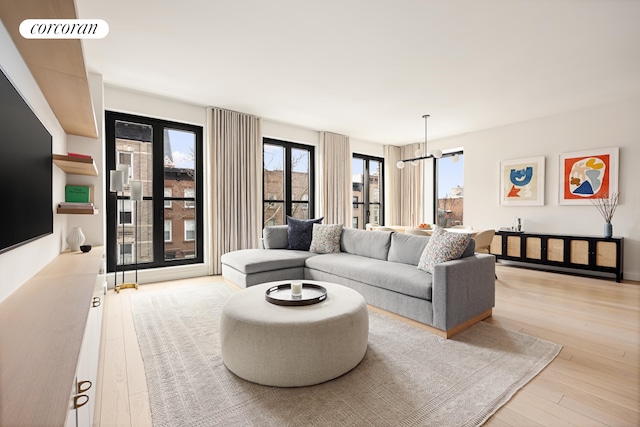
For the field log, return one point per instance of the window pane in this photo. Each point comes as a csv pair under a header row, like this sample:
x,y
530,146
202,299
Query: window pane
x,y
180,220
374,181
300,210
179,179
273,213
273,158
134,148
144,245
450,190
357,185
299,174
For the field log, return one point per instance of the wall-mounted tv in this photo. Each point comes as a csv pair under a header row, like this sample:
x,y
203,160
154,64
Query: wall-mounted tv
x,y
25,171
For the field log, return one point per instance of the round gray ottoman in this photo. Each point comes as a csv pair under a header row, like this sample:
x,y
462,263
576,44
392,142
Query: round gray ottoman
x,y
293,346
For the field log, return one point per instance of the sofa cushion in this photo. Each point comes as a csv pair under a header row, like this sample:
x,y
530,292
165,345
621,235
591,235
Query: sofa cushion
x,y
407,248
393,276
372,244
326,238
275,237
443,246
250,261
299,232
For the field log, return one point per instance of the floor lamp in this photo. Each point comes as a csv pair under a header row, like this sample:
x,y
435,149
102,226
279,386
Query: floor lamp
x,y
119,178
116,185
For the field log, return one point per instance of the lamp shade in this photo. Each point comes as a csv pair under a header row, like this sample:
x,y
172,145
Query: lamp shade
x,y
115,181
124,168
136,190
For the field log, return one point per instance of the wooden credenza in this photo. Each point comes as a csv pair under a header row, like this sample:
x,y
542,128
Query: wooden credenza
x,y
49,344
581,253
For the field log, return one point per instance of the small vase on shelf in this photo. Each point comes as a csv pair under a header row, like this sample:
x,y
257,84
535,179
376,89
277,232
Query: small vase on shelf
x,y
608,230
75,239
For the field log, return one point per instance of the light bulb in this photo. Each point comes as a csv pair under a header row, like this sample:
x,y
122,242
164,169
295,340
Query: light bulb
x,y
418,153
400,164
415,162
437,153
455,158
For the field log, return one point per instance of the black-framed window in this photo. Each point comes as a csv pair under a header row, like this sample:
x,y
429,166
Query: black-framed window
x,y
368,190
288,181
448,181
165,228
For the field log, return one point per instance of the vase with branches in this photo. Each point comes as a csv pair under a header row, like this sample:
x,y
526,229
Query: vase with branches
x,y
607,205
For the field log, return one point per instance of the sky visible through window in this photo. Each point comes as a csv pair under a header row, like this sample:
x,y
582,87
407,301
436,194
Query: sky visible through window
x,y
182,147
450,174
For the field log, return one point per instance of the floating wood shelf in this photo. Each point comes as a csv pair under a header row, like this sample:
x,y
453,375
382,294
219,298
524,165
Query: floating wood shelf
x,y
78,211
76,165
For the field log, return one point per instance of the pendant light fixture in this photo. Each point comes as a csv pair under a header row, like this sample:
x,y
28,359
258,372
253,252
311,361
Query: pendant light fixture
x,y
421,154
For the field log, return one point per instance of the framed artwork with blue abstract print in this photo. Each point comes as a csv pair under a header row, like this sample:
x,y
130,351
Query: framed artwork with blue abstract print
x,y
522,182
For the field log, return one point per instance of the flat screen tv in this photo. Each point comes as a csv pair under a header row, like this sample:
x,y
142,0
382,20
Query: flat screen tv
x,y
25,171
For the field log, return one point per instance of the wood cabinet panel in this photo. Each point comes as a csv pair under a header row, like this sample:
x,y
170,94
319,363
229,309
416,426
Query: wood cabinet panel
x,y
580,252
555,250
533,248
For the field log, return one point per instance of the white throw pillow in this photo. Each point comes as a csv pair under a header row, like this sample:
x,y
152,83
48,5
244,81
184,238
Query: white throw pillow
x,y
326,238
443,246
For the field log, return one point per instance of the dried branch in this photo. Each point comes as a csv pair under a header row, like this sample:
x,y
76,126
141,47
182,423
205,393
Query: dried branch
x,y
606,205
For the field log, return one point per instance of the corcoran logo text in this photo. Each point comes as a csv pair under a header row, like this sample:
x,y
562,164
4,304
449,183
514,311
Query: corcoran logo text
x,y
64,28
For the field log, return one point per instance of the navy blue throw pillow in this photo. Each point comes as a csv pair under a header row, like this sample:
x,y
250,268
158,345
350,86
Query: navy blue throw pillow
x,y
300,231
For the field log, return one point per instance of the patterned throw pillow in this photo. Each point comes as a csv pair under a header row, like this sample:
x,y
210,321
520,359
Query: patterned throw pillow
x,y
299,232
326,238
443,246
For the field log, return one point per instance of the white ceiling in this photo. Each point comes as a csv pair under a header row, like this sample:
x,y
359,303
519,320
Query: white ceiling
x,y
371,68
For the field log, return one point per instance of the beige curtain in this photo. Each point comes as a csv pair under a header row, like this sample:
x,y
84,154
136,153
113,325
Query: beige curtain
x,y
404,197
236,182
392,184
335,178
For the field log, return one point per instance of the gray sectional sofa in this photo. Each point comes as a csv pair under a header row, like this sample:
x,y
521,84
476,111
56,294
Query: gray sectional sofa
x,y
382,266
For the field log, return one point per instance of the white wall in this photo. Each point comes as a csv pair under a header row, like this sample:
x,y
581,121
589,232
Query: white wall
x,y
611,125
18,265
93,226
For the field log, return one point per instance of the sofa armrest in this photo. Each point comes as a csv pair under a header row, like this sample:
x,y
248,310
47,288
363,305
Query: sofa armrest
x,y
463,289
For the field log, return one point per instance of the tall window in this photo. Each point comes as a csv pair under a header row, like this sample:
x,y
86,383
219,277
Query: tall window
x,y
166,227
287,182
368,186
450,189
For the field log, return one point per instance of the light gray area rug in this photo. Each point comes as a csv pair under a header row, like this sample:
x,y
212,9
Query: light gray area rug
x,y
408,377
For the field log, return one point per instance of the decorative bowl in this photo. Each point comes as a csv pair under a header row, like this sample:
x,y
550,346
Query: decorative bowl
x,y
85,248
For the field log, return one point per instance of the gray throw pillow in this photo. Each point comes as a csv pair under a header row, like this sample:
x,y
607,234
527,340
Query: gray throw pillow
x,y
300,232
326,238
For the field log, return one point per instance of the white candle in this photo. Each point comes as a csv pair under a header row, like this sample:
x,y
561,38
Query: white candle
x,y
296,288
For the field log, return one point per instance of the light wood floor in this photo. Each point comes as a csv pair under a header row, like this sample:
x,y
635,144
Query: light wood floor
x,y
595,381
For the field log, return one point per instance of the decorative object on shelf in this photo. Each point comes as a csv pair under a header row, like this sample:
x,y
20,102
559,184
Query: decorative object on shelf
x,y
607,205
522,182
421,154
75,239
85,248
586,175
